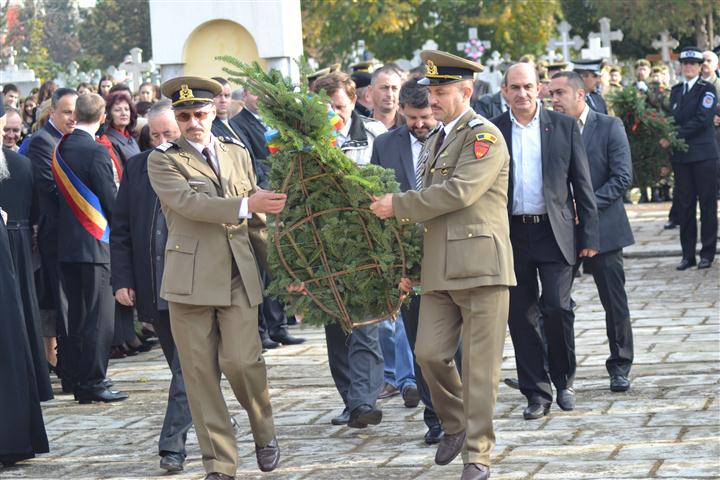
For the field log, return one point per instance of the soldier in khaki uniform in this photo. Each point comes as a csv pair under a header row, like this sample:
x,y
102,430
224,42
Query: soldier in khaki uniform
x,y
213,208
467,265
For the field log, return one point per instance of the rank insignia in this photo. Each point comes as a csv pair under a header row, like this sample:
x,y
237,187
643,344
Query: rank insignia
x,y
486,137
481,148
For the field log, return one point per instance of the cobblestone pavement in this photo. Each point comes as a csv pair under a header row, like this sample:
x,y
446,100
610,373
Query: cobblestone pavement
x,y
666,426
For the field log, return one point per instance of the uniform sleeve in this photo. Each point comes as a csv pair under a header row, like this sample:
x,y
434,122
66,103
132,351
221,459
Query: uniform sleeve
x,y
588,231
703,115
257,225
471,178
620,164
173,190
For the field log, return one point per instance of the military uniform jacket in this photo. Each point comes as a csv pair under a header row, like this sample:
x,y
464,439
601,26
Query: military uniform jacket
x,y
205,235
463,206
693,114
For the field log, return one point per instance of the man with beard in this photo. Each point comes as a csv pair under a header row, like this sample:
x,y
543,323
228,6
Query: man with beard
x,y
16,198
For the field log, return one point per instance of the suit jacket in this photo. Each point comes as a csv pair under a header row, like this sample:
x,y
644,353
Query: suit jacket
x,y
205,235
693,113
596,102
393,150
16,193
608,153
91,163
219,129
463,206
564,164
489,106
40,150
138,236
125,147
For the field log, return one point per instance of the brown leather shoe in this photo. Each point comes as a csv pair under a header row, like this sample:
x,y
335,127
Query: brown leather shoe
x,y
218,476
475,471
449,447
268,456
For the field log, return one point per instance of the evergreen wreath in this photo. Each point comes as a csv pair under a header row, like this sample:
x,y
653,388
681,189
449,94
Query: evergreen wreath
x,y
326,237
645,127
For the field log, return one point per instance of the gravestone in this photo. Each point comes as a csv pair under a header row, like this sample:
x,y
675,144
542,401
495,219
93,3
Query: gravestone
x,y
665,44
474,48
23,78
594,50
606,36
135,68
564,43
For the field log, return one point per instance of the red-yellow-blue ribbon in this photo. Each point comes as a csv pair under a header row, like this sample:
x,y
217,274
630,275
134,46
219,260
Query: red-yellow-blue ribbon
x,y
84,204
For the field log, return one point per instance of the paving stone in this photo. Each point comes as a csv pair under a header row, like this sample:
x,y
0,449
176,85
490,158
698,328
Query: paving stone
x,y
680,468
596,470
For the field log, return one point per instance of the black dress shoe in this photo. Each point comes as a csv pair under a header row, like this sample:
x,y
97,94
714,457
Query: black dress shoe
x,y
411,396
449,447
685,264
172,462
434,435
364,415
105,395
287,339
107,382
536,410
670,225
704,263
341,419
512,383
475,471
268,456
268,344
619,383
566,399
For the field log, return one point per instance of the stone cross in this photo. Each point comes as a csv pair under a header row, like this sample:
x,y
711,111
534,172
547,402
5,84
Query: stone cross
x,y
358,52
73,69
606,35
565,42
594,50
428,45
10,61
665,44
118,75
551,56
135,67
473,48
495,61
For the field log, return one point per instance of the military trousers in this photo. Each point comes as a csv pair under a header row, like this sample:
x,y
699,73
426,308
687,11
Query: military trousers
x,y
477,317
222,340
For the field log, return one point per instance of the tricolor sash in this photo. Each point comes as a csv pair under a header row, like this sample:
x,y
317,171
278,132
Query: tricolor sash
x,y
84,204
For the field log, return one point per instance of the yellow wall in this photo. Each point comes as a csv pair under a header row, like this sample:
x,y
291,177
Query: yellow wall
x,y
218,37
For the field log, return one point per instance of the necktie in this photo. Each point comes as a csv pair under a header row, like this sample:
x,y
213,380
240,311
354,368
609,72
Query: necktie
x,y
208,159
420,169
685,88
580,124
440,140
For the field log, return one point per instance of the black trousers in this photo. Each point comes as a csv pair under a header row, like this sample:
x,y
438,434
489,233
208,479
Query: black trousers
x,y
536,253
271,313
90,323
356,364
177,420
609,274
697,182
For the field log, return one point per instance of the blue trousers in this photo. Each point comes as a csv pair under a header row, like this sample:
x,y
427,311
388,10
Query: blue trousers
x,y
399,370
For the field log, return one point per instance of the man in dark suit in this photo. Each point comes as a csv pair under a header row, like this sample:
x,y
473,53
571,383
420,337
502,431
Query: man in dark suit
x,y
547,158
247,127
61,121
608,154
693,103
399,149
137,247
84,254
491,105
589,71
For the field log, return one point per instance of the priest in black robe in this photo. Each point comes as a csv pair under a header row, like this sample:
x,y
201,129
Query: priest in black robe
x,y
22,431
16,198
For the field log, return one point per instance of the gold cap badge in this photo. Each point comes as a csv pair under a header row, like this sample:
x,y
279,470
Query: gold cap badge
x,y
430,68
185,93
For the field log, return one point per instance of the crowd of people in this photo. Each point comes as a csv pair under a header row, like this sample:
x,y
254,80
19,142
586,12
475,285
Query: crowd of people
x,y
135,218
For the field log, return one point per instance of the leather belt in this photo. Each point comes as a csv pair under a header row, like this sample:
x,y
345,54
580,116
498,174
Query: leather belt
x,y
531,218
18,225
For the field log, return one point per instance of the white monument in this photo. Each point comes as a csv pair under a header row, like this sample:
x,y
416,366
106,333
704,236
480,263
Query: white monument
x,y
606,35
594,51
665,44
188,35
474,48
135,68
23,78
564,43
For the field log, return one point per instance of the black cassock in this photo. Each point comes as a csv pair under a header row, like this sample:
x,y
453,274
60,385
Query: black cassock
x,y
16,198
22,431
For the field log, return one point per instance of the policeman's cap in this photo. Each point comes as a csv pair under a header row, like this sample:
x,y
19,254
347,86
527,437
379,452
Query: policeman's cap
x,y
368,66
361,79
318,74
593,66
190,92
691,54
442,68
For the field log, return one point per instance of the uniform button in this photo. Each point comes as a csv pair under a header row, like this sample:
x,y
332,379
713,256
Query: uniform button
x,y
230,235
177,247
158,258
425,230
469,234
432,170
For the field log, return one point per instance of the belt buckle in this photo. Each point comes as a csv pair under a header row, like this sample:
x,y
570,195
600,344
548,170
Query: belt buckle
x,y
530,219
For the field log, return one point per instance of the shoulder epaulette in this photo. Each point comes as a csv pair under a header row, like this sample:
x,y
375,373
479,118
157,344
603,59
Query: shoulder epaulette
x,y
165,146
231,140
475,122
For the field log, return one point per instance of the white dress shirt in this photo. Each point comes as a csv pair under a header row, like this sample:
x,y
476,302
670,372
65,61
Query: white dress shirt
x,y
216,165
527,167
449,127
690,84
415,147
344,134
582,120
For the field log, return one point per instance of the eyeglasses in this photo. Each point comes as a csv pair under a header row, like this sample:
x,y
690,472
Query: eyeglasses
x,y
200,115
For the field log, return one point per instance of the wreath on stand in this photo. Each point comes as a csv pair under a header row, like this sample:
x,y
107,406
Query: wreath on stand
x,y
326,237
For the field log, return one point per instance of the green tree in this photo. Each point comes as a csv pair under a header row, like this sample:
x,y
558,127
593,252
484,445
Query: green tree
x,y
111,28
38,58
61,30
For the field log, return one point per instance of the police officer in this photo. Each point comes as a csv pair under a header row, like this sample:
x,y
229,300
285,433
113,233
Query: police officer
x,y
214,212
693,104
467,265
589,71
